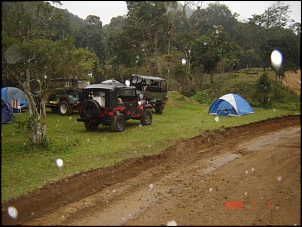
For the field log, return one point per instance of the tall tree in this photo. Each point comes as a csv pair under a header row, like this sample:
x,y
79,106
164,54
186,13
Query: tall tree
x,y
91,36
209,49
148,21
186,31
220,14
249,37
33,59
22,24
276,15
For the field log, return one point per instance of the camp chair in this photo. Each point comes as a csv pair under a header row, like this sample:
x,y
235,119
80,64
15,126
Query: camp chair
x,y
16,106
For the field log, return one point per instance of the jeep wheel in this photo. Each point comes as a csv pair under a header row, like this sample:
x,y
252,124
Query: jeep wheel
x,y
91,108
119,124
91,127
146,118
159,108
64,108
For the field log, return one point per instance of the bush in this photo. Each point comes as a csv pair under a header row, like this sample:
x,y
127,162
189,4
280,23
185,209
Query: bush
x,y
203,97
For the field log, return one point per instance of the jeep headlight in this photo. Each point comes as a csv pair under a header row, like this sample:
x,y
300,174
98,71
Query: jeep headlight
x,y
141,102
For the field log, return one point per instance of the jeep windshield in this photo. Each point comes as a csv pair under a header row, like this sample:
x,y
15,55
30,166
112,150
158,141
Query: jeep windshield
x,y
140,81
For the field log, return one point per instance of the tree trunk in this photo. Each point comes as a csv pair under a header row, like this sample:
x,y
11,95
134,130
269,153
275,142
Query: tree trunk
x,y
211,77
276,76
37,116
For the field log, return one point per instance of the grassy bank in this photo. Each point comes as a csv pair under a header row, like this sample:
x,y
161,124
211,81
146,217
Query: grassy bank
x,y
24,169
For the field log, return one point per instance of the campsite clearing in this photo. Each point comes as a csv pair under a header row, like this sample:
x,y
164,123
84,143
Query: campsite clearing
x,y
244,175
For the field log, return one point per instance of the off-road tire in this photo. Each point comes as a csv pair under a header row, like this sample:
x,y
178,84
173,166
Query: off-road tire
x,y
64,108
119,124
90,126
146,118
91,108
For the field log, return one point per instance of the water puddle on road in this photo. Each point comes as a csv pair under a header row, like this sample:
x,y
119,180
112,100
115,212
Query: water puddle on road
x,y
261,141
220,161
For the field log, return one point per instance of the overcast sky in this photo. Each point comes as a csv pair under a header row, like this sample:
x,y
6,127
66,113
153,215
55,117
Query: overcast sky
x,y
108,9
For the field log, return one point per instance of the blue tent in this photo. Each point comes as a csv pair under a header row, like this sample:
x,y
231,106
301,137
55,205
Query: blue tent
x,y
12,93
230,105
7,114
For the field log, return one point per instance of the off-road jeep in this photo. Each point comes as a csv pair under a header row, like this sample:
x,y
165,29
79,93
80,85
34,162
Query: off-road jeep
x,y
112,104
63,101
154,90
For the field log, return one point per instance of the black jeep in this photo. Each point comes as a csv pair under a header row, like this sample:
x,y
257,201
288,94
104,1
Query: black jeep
x,y
153,89
63,100
112,103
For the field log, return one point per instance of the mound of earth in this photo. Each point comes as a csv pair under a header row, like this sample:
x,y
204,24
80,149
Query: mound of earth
x,y
293,80
245,175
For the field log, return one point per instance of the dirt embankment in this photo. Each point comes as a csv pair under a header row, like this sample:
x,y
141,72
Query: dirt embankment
x,y
293,80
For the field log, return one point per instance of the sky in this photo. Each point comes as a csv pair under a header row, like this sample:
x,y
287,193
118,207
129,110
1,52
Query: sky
x,y
109,9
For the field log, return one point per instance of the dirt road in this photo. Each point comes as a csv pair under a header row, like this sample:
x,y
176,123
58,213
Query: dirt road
x,y
247,175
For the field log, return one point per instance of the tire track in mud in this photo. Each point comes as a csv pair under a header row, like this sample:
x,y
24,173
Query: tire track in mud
x,y
117,210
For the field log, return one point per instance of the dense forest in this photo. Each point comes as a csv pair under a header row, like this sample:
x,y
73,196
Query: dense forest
x,y
179,41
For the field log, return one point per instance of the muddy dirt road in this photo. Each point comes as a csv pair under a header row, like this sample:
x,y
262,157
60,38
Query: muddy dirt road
x,y
247,175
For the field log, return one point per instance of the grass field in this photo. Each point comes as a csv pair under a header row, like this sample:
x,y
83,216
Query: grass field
x,y
24,169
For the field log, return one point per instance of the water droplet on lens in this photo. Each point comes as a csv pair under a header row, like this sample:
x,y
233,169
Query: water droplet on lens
x,y
12,212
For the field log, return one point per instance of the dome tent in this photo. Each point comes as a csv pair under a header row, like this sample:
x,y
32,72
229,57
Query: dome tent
x,y
7,114
230,105
12,93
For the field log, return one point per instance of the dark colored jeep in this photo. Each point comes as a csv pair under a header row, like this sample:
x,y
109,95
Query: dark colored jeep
x,y
111,103
154,90
63,101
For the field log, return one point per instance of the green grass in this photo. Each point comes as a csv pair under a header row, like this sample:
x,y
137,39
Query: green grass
x,y
243,84
24,169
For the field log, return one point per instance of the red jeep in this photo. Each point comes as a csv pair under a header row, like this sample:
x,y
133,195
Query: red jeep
x,y
111,103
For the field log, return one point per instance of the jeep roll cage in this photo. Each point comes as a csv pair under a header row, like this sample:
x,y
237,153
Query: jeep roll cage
x,y
152,82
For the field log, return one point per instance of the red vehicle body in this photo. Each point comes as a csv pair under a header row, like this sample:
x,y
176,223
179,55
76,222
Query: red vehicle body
x,y
112,104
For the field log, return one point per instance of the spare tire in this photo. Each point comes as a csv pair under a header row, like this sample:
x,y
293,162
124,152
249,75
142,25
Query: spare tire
x,y
91,108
